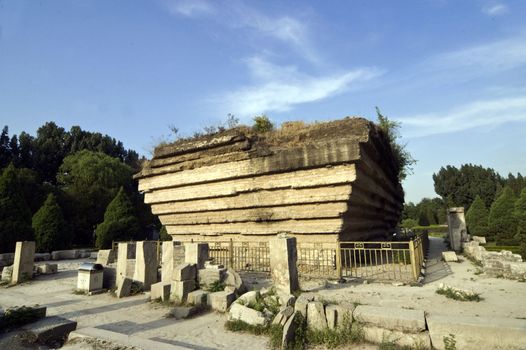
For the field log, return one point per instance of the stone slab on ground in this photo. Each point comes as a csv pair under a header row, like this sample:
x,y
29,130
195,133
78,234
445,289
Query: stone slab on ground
x,y
477,333
405,320
302,302
180,289
7,273
182,312
378,335
247,315
220,301
42,256
92,335
106,256
479,239
233,279
449,256
316,316
336,314
160,290
123,287
197,297
51,328
47,269
283,316
207,277
289,332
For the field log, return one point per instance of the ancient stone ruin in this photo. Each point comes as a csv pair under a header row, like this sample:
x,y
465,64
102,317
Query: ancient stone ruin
x,y
318,182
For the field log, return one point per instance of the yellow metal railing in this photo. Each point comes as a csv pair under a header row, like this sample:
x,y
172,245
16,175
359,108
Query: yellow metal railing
x,y
241,256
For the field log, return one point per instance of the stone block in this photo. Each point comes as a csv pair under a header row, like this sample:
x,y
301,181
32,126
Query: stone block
x,y
90,279
249,297
47,269
146,263
405,320
449,256
378,335
233,279
283,259
197,297
336,314
23,263
182,312
160,290
180,289
42,256
124,269
316,319
220,301
109,277
477,333
53,328
286,299
457,228
123,287
184,272
207,277
211,265
65,254
479,239
302,302
196,253
172,256
106,256
7,273
283,316
289,331
247,315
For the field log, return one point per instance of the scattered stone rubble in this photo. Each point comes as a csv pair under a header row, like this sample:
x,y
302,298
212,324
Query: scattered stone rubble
x,y
503,264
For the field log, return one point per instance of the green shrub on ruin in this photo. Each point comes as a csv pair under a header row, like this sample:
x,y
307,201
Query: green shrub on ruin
x,y
120,222
477,218
262,124
15,215
50,226
502,221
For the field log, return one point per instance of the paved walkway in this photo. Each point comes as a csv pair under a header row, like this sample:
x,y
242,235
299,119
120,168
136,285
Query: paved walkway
x,y
436,269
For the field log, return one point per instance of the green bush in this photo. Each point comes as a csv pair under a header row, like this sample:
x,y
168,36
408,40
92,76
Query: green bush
x,y
120,222
50,226
520,215
502,221
477,218
262,124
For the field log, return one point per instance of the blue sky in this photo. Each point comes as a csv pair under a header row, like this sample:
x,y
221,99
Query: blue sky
x,y
453,72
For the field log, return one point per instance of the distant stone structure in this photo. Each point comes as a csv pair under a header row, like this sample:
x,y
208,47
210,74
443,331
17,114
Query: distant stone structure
x,y
317,182
458,232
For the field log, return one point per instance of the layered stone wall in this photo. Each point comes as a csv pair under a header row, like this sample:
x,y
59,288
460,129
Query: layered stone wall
x,y
318,182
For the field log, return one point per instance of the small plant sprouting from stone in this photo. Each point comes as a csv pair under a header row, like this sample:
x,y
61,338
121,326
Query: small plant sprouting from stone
x,y
458,294
346,333
79,292
275,332
449,342
216,286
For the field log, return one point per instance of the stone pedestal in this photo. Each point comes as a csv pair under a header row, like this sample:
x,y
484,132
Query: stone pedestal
x,y
457,228
146,263
105,256
124,269
173,255
23,263
283,268
196,253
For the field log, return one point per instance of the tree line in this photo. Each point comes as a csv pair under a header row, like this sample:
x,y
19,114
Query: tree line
x,y
56,188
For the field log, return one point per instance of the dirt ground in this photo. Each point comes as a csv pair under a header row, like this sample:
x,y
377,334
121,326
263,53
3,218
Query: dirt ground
x,y
138,317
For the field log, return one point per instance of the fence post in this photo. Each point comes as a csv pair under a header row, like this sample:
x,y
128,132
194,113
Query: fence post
x,y
231,253
338,260
413,260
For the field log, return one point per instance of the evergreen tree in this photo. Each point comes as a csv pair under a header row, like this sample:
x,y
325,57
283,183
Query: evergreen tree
x,y
163,234
423,219
120,222
502,221
520,215
50,227
15,216
477,218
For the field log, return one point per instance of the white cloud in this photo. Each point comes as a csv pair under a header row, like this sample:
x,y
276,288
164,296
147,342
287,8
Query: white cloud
x,y
189,8
281,88
495,9
483,113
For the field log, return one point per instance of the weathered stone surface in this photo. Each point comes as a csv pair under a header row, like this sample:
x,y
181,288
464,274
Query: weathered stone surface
x,y
124,269
479,239
391,318
184,272
67,254
283,264
477,333
249,297
220,301
283,315
23,263
449,256
42,256
180,289
7,273
172,256
378,335
109,277
196,253
123,287
160,290
106,256
182,312
457,228
286,299
316,316
336,314
197,297
47,269
51,328
246,314
233,279
289,331
146,263
207,277
302,302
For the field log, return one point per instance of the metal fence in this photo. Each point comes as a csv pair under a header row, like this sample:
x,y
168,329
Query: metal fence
x,y
241,256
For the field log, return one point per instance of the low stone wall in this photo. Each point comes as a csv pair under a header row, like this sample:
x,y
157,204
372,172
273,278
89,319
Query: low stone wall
x,y
502,264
